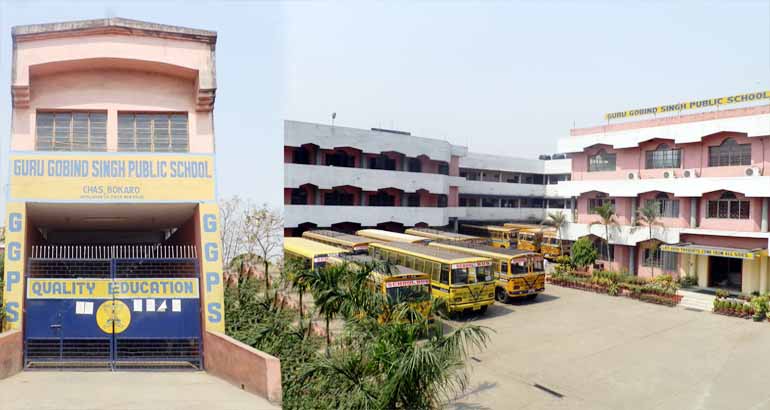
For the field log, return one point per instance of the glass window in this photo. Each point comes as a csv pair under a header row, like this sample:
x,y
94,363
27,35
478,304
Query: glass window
x,y
402,294
71,131
728,206
461,277
602,161
729,153
594,203
537,265
443,168
445,274
659,259
484,273
153,132
663,157
667,208
518,266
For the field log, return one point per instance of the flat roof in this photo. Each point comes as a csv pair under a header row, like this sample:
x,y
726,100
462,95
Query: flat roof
x,y
430,233
477,248
308,248
390,236
351,239
430,251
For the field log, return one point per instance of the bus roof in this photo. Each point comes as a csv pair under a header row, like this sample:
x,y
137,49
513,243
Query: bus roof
x,y
399,270
390,236
338,237
431,233
309,249
429,252
483,250
521,225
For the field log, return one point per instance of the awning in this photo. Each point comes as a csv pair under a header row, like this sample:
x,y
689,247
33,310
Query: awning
x,y
692,249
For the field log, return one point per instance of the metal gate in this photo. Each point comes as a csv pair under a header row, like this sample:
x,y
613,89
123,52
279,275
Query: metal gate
x,y
112,306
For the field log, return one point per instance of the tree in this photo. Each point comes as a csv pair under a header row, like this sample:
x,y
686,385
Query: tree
x,y
264,236
650,216
232,232
583,253
296,272
328,295
608,218
557,220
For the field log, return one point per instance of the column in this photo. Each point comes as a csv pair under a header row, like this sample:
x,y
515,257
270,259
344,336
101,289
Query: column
x,y
763,226
318,157
500,178
693,212
364,198
455,224
481,175
763,261
633,210
632,260
572,209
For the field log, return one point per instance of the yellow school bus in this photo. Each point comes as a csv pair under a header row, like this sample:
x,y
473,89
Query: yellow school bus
x,y
401,284
551,247
439,235
518,273
352,243
315,254
499,236
464,281
529,239
387,236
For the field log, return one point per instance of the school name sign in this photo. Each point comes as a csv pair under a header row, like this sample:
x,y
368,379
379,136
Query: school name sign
x,y
690,105
113,178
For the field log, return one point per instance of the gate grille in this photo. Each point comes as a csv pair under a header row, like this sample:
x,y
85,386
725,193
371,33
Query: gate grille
x,y
175,268
68,349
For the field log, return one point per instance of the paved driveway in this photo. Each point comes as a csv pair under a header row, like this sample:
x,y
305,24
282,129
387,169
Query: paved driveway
x,y
54,390
600,352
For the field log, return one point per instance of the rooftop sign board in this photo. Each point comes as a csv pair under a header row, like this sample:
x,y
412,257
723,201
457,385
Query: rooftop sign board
x,y
690,105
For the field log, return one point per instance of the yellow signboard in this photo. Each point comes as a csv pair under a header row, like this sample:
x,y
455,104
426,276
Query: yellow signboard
x,y
172,288
13,289
211,268
730,253
691,105
111,177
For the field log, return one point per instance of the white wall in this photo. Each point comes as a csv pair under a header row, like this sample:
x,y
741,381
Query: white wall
x,y
327,177
325,216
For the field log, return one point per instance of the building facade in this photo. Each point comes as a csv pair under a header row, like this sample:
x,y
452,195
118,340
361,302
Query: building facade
x,y
112,221
707,176
346,178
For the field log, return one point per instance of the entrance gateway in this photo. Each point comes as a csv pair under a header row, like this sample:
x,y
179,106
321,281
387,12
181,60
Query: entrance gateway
x,y
112,306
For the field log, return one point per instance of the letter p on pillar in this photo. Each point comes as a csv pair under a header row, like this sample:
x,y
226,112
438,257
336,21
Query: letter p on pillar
x,y
212,280
12,278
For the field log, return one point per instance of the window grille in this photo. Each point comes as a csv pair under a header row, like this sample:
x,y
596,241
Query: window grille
x,y
71,131
153,132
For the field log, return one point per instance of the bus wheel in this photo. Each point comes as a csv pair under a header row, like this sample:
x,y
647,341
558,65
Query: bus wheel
x,y
501,296
483,310
532,296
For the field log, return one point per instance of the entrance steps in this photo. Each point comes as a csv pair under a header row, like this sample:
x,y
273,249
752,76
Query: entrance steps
x,y
696,300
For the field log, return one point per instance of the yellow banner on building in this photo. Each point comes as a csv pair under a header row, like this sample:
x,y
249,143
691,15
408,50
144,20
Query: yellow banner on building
x,y
211,268
691,105
13,289
169,288
111,177
709,251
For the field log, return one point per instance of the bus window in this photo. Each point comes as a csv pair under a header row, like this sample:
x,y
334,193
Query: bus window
x,y
484,273
445,275
503,267
518,266
461,277
416,293
537,265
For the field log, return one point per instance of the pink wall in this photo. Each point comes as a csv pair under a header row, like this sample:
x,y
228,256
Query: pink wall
x,y
683,221
11,353
427,199
622,209
647,271
288,155
454,166
453,198
751,224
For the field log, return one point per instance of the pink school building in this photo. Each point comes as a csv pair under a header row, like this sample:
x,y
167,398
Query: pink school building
x,y
707,174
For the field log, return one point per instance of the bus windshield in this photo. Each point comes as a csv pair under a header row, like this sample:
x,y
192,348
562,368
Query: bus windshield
x,y
518,266
537,265
409,294
464,277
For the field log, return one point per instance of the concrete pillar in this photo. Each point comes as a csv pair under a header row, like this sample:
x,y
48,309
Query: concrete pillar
x,y
481,175
763,226
499,202
573,209
318,157
763,262
364,198
632,260
318,197
500,177
456,224
693,212
633,210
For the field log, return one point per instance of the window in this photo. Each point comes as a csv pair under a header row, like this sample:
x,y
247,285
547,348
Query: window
x,y
338,198
601,248
414,165
489,202
153,132
443,168
443,201
659,259
382,199
728,206
298,197
508,203
518,266
301,156
667,208
71,131
598,202
412,200
444,274
340,159
663,157
382,162
729,153
602,161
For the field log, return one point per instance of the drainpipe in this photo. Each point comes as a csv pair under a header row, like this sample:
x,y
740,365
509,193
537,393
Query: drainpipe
x,y
693,212
763,226
632,261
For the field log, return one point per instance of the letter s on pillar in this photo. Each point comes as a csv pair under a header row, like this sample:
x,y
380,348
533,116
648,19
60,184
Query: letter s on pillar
x,y
212,252
12,312
215,312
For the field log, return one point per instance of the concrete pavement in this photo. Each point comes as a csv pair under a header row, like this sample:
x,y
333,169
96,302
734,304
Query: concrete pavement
x,y
601,352
128,390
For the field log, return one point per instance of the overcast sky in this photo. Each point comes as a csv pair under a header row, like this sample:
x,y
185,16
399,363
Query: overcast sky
x,y
506,78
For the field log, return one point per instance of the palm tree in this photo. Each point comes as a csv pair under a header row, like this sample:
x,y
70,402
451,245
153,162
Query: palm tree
x,y
608,218
328,293
295,270
650,215
557,220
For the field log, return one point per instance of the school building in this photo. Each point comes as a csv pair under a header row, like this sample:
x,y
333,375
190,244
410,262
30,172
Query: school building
x,y
707,175
112,247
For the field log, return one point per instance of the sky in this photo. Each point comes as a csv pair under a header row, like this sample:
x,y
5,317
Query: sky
x,y
500,77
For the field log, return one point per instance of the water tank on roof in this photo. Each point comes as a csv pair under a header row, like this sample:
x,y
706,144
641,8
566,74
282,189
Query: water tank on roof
x,y
559,156
544,157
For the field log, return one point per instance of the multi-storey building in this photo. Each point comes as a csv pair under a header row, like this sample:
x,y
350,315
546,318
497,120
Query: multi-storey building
x,y
346,178
706,173
112,223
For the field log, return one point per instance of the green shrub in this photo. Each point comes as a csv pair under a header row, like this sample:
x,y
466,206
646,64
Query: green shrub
x,y
760,306
721,293
688,281
583,253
